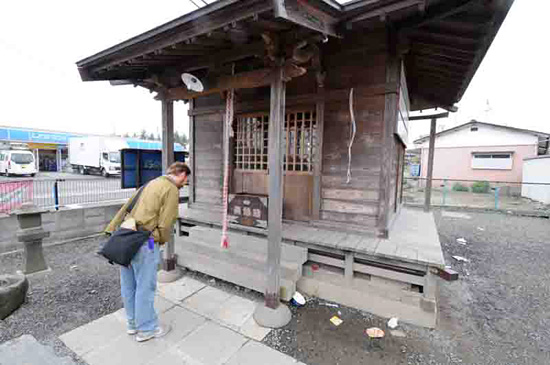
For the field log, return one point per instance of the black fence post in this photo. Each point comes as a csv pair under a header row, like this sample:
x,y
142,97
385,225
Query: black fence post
x,y
56,194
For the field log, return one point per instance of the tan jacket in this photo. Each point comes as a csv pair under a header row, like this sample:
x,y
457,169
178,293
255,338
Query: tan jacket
x,y
156,209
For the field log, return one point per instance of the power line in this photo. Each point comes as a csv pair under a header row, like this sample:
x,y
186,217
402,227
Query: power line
x,y
192,2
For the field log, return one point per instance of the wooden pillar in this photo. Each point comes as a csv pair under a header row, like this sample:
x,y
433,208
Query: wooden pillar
x,y
168,262
275,215
428,191
191,160
393,68
318,158
167,134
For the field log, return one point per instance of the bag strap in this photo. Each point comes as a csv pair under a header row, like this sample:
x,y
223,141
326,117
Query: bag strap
x,y
134,201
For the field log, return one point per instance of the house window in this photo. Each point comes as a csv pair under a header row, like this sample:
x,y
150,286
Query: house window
x,y
251,141
492,161
473,129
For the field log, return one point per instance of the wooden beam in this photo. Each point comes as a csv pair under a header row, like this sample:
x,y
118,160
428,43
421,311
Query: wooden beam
x,y
445,37
428,190
437,101
255,49
306,15
244,80
443,47
433,116
439,64
440,59
385,10
358,4
420,68
275,214
423,51
435,13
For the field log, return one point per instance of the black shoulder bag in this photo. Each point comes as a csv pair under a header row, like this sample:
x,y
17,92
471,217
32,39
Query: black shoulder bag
x,y
124,243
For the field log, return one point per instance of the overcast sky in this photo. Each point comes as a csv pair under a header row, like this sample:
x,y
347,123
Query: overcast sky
x,y
40,41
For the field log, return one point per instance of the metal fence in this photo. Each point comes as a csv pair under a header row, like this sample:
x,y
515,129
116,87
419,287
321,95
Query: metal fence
x,y
58,193
63,193
499,195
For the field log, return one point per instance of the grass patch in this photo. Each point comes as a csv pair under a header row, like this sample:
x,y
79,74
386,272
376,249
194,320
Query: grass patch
x,y
481,187
459,187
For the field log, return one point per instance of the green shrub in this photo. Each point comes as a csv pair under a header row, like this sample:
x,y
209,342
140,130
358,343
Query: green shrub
x,y
459,187
481,187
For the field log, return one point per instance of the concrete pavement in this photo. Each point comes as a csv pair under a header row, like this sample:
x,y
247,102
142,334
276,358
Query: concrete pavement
x,y
210,327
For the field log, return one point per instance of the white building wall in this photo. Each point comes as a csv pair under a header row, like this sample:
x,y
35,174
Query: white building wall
x,y
537,170
484,136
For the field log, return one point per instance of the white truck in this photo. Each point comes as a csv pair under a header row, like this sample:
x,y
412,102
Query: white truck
x,y
96,155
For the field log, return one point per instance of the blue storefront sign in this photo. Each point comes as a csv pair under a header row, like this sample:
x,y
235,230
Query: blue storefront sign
x,y
21,135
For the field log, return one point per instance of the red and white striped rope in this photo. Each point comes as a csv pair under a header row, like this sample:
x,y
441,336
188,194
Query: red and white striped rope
x,y
227,132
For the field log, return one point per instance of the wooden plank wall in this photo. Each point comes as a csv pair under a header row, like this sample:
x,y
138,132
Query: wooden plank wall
x,y
355,203
208,152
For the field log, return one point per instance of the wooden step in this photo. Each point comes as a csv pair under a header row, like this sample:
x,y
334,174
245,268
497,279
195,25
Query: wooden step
x,y
241,242
229,268
253,260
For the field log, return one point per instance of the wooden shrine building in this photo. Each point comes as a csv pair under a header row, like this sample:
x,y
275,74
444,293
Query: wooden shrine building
x,y
322,94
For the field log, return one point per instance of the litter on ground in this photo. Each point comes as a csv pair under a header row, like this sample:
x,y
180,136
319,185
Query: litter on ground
x,y
374,332
330,305
393,323
461,240
480,228
298,300
336,321
460,258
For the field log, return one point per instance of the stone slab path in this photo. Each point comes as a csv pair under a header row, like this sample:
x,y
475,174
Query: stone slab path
x,y
209,327
26,350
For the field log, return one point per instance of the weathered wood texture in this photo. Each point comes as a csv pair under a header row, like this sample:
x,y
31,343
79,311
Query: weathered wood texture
x,y
428,193
191,161
208,159
354,203
275,213
318,157
387,168
167,134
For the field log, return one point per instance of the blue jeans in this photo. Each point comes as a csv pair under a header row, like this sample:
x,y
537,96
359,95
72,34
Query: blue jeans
x,y
138,284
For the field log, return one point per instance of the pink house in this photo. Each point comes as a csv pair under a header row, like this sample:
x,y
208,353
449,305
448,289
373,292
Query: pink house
x,y
482,152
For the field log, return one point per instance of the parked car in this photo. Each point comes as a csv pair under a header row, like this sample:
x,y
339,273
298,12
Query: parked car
x,y
17,162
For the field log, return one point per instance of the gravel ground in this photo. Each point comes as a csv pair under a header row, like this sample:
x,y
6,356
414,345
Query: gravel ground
x,y
80,288
497,313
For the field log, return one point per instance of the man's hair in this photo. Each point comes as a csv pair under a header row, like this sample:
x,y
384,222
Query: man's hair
x,y
178,167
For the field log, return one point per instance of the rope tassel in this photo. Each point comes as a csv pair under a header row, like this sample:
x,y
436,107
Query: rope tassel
x,y
352,132
227,134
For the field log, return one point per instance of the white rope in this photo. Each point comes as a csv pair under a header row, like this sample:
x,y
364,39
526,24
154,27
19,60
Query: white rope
x,y
352,132
228,132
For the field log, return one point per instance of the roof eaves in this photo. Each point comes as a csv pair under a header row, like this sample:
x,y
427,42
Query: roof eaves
x,y
157,31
